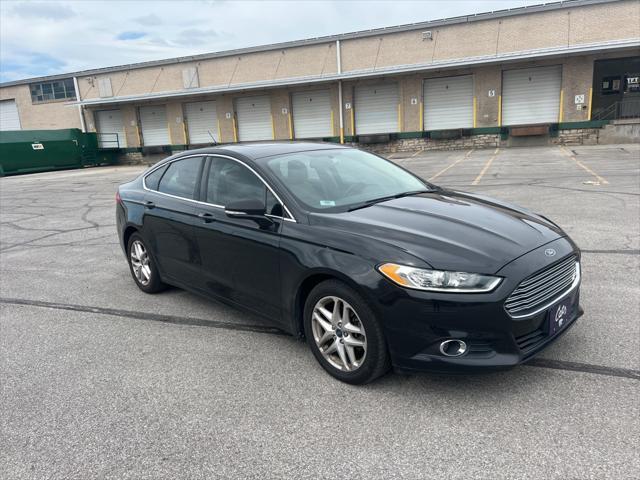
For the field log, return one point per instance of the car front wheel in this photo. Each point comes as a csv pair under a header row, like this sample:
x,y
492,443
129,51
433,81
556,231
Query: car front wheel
x,y
344,334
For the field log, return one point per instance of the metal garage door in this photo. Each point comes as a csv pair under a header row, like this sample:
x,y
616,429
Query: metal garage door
x,y
154,126
254,118
376,108
202,122
311,114
531,95
448,102
108,123
9,119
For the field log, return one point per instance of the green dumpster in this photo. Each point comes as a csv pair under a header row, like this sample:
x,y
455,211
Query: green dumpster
x,y
23,151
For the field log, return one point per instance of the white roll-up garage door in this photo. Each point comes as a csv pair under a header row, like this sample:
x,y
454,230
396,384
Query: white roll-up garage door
x,y
311,114
110,129
376,108
448,102
154,126
9,119
202,122
254,118
531,95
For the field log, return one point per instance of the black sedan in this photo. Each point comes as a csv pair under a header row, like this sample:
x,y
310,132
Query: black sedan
x,y
374,266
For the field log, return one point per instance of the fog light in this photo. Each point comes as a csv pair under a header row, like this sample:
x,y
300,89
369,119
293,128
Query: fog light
x,y
453,348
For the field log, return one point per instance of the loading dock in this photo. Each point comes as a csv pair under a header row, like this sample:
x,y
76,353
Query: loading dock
x,y
376,108
448,102
311,114
110,129
154,125
531,95
9,118
254,118
202,122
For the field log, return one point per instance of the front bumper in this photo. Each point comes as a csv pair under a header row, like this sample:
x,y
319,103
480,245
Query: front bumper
x,y
416,322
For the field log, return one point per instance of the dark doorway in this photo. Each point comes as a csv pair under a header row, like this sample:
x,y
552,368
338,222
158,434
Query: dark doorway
x,y
616,89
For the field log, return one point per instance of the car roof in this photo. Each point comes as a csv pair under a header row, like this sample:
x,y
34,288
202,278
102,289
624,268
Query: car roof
x,y
265,149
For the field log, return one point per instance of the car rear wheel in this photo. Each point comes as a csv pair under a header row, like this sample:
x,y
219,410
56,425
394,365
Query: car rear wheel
x,y
344,334
142,266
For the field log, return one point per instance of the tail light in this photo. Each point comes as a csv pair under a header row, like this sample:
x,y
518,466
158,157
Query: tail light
x,y
118,199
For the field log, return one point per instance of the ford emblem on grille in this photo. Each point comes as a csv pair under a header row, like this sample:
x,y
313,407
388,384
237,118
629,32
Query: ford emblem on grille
x,y
550,252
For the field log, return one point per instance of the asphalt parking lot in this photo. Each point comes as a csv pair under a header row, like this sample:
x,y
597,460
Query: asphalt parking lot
x,y
99,380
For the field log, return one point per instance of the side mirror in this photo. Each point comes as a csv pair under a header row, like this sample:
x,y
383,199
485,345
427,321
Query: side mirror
x,y
249,209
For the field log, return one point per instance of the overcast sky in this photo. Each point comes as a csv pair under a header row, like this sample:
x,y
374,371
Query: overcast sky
x,y
49,37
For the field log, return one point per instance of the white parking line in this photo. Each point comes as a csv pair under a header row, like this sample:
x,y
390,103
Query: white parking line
x,y
486,167
600,179
452,165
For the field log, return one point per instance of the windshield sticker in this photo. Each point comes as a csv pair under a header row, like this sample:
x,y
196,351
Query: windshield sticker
x,y
327,203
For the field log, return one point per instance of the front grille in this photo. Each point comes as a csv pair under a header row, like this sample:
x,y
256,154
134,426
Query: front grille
x,y
542,288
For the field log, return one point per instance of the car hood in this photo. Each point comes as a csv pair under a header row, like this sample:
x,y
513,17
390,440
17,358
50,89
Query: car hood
x,y
450,230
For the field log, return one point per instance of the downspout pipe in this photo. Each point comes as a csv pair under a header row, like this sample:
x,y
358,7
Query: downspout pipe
x,y
82,124
340,111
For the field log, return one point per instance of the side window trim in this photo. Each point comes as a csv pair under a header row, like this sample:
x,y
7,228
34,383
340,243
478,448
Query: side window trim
x,y
201,194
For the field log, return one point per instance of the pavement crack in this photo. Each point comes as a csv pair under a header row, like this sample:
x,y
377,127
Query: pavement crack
x,y
86,213
157,317
615,252
584,367
535,362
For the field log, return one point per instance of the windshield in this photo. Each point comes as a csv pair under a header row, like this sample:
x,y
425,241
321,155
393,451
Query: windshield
x,y
337,179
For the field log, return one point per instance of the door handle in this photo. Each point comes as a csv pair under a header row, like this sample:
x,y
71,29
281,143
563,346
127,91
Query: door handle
x,y
207,217
149,204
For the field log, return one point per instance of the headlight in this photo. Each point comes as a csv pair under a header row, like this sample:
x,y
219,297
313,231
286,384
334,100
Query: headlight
x,y
438,280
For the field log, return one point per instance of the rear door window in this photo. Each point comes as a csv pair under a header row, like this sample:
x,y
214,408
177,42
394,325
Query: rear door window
x,y
181,178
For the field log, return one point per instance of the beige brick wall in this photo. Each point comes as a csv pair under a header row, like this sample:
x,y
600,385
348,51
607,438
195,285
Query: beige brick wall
x,y
348,114
280,99
224,106
175,123
131,125
40,116
224,71
485,81
411,88
558,28
577,79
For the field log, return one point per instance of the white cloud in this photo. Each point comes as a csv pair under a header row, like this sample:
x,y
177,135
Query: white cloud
x,y
84,35
48,10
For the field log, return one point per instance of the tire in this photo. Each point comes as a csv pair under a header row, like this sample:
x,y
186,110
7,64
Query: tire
x,y
375,360
153,284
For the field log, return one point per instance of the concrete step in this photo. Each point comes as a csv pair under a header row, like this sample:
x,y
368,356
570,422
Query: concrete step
x,y
620,131
626,121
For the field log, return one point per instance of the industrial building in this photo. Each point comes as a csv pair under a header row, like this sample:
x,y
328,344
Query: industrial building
x,y
552,71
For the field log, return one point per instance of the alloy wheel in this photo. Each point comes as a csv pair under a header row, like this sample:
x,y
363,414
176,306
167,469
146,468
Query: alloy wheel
x,y
140,262
339,333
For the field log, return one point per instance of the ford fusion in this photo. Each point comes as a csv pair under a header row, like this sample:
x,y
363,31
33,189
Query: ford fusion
x,y
373,266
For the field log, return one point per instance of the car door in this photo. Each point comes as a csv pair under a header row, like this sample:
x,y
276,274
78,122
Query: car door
x,y
169,218
240,258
